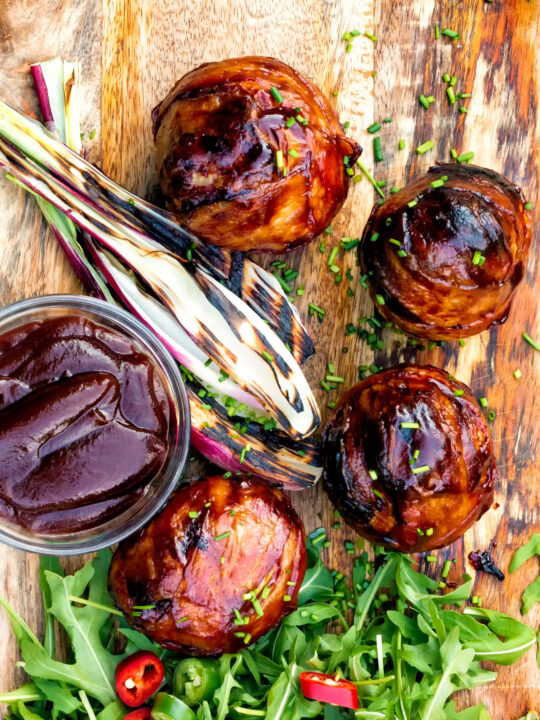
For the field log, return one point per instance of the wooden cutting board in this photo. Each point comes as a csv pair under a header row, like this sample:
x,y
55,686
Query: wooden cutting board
x,y
133,51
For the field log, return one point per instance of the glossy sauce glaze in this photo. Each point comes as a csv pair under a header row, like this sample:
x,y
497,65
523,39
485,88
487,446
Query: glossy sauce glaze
x,y
443,262
217,136
84,421
371,458
191,569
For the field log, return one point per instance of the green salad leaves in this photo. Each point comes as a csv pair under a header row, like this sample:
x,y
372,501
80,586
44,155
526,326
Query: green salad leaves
x,y
387,628
531,594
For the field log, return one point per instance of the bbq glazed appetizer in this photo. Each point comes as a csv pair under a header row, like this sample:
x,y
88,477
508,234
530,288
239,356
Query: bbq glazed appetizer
x,y
445,254
218,568
251,155
409,459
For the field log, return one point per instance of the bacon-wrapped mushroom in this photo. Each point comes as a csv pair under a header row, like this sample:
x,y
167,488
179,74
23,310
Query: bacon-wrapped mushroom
x,y
409,459
251,155
445,253
220,566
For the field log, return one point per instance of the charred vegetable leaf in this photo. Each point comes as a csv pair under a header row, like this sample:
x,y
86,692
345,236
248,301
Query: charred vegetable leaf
x,y
531,594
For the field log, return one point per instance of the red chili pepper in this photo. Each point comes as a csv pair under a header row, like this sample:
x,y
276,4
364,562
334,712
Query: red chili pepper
x,y
138,677
144,713
325,688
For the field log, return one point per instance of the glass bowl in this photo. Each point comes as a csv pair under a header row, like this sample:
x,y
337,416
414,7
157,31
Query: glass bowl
x,y
160,487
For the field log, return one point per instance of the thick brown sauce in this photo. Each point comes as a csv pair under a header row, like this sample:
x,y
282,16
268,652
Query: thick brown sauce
x,y
84,421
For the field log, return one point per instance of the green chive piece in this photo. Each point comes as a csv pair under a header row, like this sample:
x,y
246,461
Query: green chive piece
x,y
416,454
207,505
477,258
431,558
462,342
446,77
290,122
421,469
437,32
372,474
371,37
267,356
370,177
182,619
450,33
377,149
451,95
394,242
491,415
278,97
517,374
453,81
423,101
401,144
332,256
335,378
223,535
374,128
92,134
287,598
429,532
463,109
378,494
446,569
402,253
422,149
193,514
374,237
394,189
483,402
412,204
459,393
379,299
437,183
293,153
349,48
528,206
419,532
279,159
531,342
410,425
466,157
257,607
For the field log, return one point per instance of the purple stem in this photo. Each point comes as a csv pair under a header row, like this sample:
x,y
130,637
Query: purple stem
x,y
42,93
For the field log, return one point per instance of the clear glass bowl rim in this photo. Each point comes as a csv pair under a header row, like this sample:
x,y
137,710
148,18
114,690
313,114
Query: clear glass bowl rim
x,y
170,473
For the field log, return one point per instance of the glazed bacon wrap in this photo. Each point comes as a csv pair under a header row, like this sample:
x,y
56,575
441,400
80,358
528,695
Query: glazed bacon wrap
x,y
217,136
218,545
409,488
420,265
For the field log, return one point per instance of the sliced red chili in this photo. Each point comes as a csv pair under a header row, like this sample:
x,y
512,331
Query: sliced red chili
x,y
325,688
144,713
138,677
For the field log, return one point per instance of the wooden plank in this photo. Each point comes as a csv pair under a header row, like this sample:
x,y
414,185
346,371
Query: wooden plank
x,y
145,47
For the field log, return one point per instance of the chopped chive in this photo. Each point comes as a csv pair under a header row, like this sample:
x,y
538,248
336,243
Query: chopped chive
x,y
421,469
379,299
394,242
278,97
182,619
451,95
374,237
285,285
293,153
349,547
287,598
290,122
351,243
431,558
207,504
267,356
423,101
419,532
301,119
531,342
446,77
335,378
387,120
422,149
401,144
465,157
437,32
453,153
317,309
412,204
349,48
528,206
300,290
265,593
370,177
429,532
453,81
437,183
483,402
459,393
462,342
331,368
446,569
402,253
279,159
92,134
394,189
257,607
463,95
410,425
247,639
193,514
371,37
517,374
491,415
332,257
377,150
463,109
416,454
372,474
450,33
328,230
223,535
374,128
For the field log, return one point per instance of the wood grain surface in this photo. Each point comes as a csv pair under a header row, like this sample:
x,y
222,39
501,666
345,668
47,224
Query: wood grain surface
x,y
132,51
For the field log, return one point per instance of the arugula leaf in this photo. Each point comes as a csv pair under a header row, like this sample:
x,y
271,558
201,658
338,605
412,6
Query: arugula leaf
x,y
94,666
478,712
455,660
485,639
531,594
61,697
280,695
25,693
314,613
318,581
